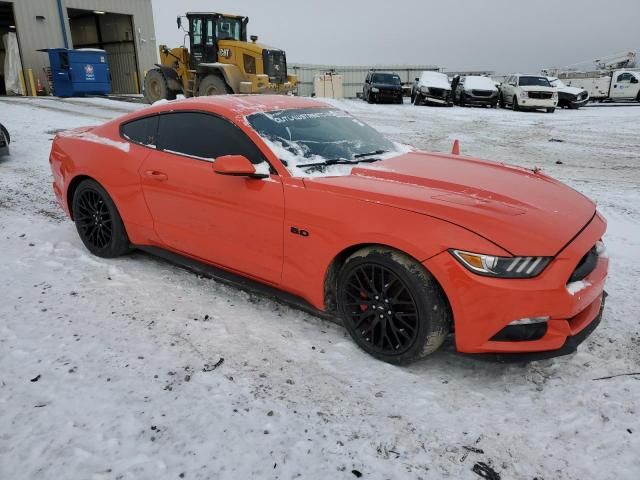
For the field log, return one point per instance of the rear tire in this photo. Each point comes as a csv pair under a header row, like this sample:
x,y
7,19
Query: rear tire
x,y
6,133
392,307
156,87
551,110
98,222
501,101
212,85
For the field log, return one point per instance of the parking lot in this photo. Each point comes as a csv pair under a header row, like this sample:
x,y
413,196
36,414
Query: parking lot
x,y
134,368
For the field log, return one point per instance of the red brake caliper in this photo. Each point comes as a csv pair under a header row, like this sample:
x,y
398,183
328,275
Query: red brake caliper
x,y
363,307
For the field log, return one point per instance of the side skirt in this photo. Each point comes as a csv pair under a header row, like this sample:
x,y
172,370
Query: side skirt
x,y
237,281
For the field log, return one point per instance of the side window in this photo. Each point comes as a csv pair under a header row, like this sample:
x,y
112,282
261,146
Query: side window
x,y
141,131
249,64
210,32
196,28
204,136
625,77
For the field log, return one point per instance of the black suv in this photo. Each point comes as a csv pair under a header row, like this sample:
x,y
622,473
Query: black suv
x,y
382,87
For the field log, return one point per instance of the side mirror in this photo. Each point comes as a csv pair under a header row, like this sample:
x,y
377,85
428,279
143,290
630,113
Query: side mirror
x,y
512,84
634,80
179,22
236,166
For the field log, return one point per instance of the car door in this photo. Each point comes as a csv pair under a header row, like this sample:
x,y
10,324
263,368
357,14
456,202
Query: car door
x,y
622,86
233,222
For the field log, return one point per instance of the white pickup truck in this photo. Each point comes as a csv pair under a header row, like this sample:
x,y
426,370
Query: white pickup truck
x,y
619,85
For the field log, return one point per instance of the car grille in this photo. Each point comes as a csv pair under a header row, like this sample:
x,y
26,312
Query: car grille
x,y
275,65
481,93
438,92
540,95
586,265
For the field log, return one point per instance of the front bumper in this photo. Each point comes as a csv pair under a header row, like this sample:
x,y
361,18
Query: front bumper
x,y
579,103
525,103
387,95
484,306
480,100
435,100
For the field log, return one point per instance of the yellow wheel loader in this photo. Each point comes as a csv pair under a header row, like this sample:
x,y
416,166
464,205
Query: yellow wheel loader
x,y
219,60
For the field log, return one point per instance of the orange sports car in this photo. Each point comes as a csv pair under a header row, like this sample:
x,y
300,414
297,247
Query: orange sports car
x,y
298,196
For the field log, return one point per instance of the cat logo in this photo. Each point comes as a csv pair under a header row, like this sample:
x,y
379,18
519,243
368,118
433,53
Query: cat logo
x,y
225,53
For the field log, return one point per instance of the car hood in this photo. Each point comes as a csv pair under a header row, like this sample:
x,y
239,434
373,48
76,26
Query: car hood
x,y
434,85
571,90
522,211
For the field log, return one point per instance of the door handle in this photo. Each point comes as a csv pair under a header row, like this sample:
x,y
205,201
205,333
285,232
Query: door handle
x,y
155,175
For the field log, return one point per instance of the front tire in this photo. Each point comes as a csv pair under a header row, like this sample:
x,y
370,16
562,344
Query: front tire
x,y
502,102
212,85
514,104
551,110
392,307
98,222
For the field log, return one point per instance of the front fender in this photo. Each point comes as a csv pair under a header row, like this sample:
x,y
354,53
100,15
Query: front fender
x,y
335,223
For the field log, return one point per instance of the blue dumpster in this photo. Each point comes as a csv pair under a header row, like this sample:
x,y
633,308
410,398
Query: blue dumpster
x,y
79,72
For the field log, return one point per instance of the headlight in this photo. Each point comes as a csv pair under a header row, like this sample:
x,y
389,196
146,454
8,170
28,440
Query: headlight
x,y
375,90
524,95
424,89
501,267
555,95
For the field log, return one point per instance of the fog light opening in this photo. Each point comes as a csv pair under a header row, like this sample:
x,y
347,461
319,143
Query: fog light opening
x,y
530,321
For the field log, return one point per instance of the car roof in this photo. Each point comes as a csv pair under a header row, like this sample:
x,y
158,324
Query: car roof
x,y
234,105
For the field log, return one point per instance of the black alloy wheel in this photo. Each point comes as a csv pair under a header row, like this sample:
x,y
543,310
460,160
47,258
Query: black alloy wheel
x,y
382,309
98,221
94,219
392,307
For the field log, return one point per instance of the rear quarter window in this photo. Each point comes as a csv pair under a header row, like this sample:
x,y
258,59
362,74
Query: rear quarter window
x,y
142,131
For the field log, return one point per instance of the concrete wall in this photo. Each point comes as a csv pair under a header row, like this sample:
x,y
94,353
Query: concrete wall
x,y
35,34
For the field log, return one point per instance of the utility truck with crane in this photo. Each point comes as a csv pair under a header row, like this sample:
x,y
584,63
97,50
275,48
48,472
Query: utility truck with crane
x,y
219,61
615,78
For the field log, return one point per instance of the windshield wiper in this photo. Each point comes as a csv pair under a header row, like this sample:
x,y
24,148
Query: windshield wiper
x,y
358,158
338,161
362,155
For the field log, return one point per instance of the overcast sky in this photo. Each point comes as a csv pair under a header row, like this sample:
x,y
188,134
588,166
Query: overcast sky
x,y
501,35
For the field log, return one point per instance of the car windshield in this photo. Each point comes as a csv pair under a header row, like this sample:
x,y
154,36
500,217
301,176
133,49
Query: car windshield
x,y
318,136
556,82
388,78
534,82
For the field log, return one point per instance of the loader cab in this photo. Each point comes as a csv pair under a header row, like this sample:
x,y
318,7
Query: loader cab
x,y
207,29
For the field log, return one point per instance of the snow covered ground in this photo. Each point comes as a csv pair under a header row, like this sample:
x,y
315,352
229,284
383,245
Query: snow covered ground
x,y
113,369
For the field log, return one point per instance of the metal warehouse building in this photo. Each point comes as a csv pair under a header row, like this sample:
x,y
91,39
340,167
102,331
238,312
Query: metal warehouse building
x,y
124,28
353,76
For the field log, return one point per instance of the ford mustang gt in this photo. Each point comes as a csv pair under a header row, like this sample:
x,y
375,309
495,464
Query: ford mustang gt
x,y
298,196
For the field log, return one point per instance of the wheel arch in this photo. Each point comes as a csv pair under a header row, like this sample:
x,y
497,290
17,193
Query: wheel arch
x,y
229,73
331,274
71,190
171,76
